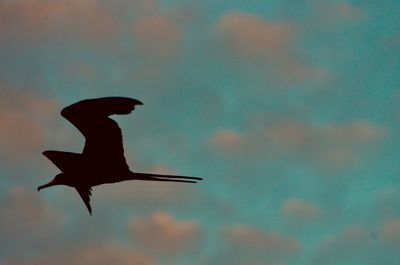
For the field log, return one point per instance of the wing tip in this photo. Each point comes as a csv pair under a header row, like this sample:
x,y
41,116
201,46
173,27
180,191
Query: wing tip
x,y
46,153
115,105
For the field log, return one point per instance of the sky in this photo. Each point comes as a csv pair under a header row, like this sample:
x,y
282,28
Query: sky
x,y
289,110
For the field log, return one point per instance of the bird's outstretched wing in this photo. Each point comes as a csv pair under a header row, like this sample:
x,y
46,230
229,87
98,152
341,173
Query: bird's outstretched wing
x,y
103,136
85,194
65,161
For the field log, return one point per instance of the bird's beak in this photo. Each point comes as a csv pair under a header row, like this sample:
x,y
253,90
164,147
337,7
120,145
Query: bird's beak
x,y
51,183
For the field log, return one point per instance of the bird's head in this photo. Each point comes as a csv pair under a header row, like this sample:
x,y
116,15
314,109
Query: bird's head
x,y
59,179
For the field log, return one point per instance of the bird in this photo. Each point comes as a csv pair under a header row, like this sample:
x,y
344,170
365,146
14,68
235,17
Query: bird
x,y
102,160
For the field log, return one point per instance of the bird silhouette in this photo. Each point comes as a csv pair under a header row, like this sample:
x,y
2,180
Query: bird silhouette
x,y
102,160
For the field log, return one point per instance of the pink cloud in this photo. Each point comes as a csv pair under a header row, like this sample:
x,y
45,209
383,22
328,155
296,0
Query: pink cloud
x,y
162,234
41,19
248,237
358,243
265,46
102,254
390,231
299,209
136,8
248,245
386,204
347,243
23,118
157,36
342,12
80,69
158,40
226,139
25,219
252,36
334,145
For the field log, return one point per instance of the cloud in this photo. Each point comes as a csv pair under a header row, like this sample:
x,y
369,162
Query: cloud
x,y
158,44
386,204
336,145
100,254
22,211
342,247
299,209
390,231
26,221
37,20
358,245
157,37
267,47
23,119
81,69
248,245
251,36
336,13
249,237
162,234
136,8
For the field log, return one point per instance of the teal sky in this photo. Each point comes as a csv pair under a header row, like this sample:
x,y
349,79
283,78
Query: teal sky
x,y
289,110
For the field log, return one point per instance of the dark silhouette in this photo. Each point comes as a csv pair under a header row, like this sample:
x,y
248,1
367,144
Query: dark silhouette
x,y
102,160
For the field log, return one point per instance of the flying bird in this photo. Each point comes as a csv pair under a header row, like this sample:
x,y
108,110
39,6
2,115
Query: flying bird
x,y
102,160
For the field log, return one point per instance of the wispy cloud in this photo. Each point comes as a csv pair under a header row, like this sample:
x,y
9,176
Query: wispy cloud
x,y
158,37
38,20
299,209
26,221
358,243
334,145
23,118
390,231
96,254
245,244
266,46
162,234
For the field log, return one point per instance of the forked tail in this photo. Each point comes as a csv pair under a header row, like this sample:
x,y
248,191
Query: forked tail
x,y
160,177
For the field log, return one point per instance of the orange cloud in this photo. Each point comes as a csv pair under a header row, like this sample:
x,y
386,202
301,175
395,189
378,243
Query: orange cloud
x,y
41,19
23,116
162,234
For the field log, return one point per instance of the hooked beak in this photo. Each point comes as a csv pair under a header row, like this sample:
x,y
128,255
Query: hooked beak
x,y
51,183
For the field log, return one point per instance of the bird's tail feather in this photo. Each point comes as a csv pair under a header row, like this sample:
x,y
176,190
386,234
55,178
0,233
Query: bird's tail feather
x,y
171,178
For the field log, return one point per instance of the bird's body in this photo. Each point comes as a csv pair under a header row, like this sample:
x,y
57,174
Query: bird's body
x,y
102,160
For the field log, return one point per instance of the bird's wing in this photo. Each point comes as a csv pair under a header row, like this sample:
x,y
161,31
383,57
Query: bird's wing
x,y
103,135
65,161
85,194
